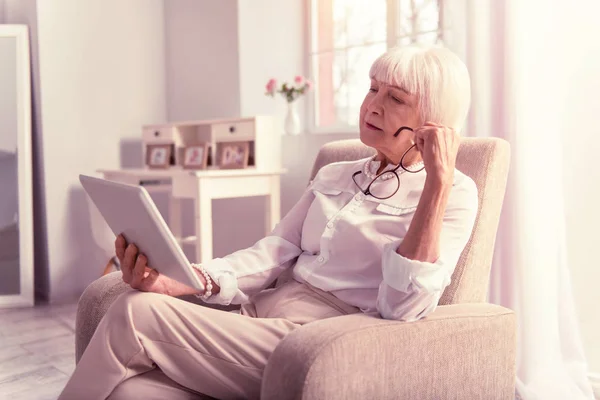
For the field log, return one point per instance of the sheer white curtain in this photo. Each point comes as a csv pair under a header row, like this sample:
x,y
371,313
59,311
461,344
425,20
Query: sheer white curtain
x,y
513,50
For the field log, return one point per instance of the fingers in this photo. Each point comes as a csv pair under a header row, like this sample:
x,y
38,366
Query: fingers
x,y
149,281
138,271
419,137
134,266
434,134
428,128
420,142
128,262
120,245
441,132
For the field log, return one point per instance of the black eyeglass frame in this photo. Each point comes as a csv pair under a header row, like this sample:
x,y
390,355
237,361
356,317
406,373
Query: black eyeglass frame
x,y
367,191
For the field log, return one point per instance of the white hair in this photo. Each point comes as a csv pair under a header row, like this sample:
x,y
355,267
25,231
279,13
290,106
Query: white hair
x,y
437,77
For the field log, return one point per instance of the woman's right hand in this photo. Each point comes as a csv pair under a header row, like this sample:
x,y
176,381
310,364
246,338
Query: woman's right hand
x,y
138,275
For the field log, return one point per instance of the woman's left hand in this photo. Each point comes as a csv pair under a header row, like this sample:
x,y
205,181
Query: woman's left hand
x,y
438,145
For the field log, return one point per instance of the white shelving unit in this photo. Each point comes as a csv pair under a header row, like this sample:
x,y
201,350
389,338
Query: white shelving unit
x,y
259,131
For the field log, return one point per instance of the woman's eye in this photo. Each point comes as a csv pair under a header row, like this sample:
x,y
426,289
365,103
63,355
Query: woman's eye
x,y
397,100
373,90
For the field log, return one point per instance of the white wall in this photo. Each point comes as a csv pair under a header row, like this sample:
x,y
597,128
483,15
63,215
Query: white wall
x,y
272,42
203,82
581,127
271,45
101,76
202,61
219,58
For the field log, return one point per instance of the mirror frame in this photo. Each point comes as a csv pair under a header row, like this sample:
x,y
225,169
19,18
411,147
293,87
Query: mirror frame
x,y
25,167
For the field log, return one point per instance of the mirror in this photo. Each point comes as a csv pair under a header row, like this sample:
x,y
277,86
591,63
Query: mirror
x,y
16,202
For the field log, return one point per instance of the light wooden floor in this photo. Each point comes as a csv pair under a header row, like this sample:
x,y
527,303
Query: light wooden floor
x,y
37,351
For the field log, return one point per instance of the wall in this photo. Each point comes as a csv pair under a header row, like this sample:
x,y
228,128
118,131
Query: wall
x,y
202,61
579,113
271,45
219,58
265,55
203,82
101,76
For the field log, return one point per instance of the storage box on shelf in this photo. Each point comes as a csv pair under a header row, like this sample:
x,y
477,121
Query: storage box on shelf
x,y
259,131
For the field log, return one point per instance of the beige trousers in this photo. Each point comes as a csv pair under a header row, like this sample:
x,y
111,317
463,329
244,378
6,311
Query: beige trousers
x,y
151,346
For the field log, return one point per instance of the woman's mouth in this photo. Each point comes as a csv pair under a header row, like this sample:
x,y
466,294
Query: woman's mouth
x,y
372,127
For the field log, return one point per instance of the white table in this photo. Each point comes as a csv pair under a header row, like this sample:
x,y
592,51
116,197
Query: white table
x,y
203,186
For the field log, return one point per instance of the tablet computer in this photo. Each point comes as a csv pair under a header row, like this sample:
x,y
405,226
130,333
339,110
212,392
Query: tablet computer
x,y
129,210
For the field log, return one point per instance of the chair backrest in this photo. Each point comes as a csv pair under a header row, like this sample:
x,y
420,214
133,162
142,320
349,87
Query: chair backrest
x,y
486,161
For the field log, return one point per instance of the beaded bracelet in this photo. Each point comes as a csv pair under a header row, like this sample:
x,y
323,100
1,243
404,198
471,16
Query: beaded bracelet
x,y
208,291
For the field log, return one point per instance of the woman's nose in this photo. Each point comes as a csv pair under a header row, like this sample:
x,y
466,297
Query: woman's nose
x,y
374,107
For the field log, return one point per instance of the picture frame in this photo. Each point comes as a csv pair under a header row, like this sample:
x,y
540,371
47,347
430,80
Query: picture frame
x,y
233,155
195,156
158,155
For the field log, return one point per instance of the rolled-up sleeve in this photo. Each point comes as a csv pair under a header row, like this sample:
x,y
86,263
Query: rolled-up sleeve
x,y
250,270
411,289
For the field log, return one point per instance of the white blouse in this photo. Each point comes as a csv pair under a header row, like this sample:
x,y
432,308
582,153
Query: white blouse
x,y
341,241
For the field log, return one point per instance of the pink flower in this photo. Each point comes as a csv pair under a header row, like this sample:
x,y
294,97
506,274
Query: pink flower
x,y
270,87
299,79
309,84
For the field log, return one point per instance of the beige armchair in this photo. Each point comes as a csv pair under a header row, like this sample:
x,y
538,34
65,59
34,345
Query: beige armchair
x,y
465,349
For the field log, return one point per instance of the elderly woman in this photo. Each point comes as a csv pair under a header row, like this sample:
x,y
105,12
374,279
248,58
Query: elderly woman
x,y
380,235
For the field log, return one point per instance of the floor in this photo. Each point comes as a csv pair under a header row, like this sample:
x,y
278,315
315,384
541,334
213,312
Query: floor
x,y
37,351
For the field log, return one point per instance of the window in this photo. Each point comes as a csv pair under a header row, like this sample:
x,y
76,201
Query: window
x,y
346,37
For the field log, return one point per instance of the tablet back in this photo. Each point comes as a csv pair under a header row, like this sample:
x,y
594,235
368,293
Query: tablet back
x,y
129,209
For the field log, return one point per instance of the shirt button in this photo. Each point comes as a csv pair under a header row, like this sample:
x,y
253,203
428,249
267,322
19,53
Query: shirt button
x,y
321,259
330,225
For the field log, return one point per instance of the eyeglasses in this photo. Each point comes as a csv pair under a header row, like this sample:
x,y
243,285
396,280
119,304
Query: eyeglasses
x,y
379,187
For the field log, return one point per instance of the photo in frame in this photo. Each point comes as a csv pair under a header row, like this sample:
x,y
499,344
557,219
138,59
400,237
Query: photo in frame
x,y
158,155
195,156
233,155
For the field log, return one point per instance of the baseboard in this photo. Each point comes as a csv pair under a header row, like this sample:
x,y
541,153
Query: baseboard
x,y
595,381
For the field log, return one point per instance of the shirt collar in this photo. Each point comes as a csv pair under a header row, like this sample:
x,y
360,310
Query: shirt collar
x,y
371,166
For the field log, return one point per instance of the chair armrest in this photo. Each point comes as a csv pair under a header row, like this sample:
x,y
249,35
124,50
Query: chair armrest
x,y
92,305
462,351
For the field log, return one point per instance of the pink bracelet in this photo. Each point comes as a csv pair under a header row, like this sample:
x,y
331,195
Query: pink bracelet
x,y
209,286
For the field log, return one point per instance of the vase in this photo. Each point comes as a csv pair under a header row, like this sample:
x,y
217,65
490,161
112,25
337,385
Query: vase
x,y
292,120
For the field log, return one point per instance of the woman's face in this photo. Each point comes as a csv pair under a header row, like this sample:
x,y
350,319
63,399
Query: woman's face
x,y
385,109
